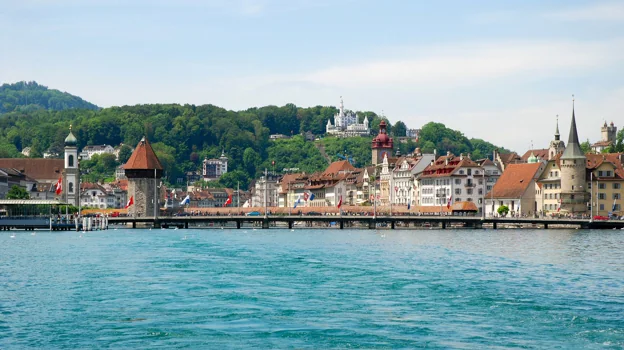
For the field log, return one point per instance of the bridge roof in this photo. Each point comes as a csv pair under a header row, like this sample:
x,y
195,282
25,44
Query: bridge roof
x,y
30,201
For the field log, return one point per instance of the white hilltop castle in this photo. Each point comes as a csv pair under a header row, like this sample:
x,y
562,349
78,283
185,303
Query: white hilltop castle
x,y
347,124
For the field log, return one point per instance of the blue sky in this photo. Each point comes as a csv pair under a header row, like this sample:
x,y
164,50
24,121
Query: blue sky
x,y
498,70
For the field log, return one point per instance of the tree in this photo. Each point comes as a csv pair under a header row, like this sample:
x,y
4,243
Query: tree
x,y
232,179
124,154
586,146
399,129
251,160
17,192
503,210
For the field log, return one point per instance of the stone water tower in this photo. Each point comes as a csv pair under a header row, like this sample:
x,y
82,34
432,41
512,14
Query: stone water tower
x,y
143,171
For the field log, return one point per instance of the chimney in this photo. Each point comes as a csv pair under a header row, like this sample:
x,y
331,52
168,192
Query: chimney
x,y
435,153
448,153
461,156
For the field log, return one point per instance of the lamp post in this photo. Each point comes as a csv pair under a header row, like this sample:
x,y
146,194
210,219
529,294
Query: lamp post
x,y
484,188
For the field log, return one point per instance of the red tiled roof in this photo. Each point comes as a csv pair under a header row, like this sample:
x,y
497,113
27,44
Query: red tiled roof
x,y
539,153
602,144
143,158
40,169
508,158
515,180
440,168
464,206
595,160
336,167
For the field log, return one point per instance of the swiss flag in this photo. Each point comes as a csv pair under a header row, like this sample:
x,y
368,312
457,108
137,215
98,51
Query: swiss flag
x,y
59,186
340,203
448,204
228,201
306,195
130,202
559,208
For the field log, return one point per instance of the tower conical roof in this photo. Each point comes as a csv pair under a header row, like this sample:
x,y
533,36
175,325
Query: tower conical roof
x,y
143,158
557,136
573,149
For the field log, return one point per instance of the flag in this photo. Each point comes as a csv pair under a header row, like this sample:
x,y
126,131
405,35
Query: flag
x,y
559,208
409,205
130,202
174,194
298,201
339,203
228,201
311,196
186,200
613,207
448,204
246,204
59,186
306,195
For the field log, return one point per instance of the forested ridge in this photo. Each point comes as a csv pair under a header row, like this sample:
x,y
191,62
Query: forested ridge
x,y
183,135
28,96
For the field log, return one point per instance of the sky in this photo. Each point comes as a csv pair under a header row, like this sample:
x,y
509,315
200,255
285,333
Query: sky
x,y
497,70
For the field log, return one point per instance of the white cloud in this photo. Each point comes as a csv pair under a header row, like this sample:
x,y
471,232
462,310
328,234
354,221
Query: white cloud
x,y
613,11
471,63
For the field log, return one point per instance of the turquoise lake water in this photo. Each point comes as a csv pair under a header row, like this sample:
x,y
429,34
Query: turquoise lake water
x,y
316,289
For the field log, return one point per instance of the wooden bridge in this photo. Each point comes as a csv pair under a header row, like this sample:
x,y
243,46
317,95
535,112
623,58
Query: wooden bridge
x,y
365,221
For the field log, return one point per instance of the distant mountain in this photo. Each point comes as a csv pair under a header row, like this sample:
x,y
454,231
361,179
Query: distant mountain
x,y
29,96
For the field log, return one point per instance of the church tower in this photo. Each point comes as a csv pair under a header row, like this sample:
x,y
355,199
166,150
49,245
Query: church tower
x,y
608,132
382,144
573,174
556,146
71,173
143,171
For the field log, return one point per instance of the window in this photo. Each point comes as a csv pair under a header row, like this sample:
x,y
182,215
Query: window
x,y
616,196
469,199
550,196
480,191
458,181
616,207
458,191
601,206
458,200
573,176
616,186
480,181
609,173
469,191
602,195
602,186
70,160
476,172
461,172
556,174
71,187
551,174
469,171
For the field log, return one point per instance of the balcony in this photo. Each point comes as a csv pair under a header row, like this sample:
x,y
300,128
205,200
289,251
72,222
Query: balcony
x,y
469,184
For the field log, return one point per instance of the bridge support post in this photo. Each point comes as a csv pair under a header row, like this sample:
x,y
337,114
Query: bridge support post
x,y
372,224
238,224
494,225
156,224
186,224
443,224
265,224
290,225
392,224
341,224
545,226
478,225
133,224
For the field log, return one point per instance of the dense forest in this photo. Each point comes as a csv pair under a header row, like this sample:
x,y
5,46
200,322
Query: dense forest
x,y
183,135
29,96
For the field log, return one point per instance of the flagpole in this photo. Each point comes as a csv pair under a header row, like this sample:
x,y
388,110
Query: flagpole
x,y
265,191
238,196
591,196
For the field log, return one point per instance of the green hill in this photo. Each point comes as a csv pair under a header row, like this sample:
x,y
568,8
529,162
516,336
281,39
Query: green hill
x,y
183,135
28,96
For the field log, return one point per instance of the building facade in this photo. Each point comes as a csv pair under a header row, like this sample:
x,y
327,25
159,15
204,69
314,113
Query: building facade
x,y
212,169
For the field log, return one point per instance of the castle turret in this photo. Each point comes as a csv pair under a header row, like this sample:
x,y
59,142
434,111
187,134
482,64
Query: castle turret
x,y
573,178
143,170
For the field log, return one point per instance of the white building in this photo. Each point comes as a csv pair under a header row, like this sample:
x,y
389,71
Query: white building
x,y
452,179
346,124
213,168
266,186
404,174
89,151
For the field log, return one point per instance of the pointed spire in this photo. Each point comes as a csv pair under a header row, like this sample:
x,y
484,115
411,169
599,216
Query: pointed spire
x,y
557,136
573,149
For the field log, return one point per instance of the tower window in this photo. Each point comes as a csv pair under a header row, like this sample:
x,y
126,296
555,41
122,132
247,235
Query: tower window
x,y
71,160
71,186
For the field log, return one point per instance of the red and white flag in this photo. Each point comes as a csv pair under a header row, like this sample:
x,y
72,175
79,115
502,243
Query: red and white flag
x,y
559,208
448,204
339,203
228,201
59,186
130,202
306,195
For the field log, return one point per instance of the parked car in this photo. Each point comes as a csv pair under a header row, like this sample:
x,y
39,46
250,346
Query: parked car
x,y
253,213
600,217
